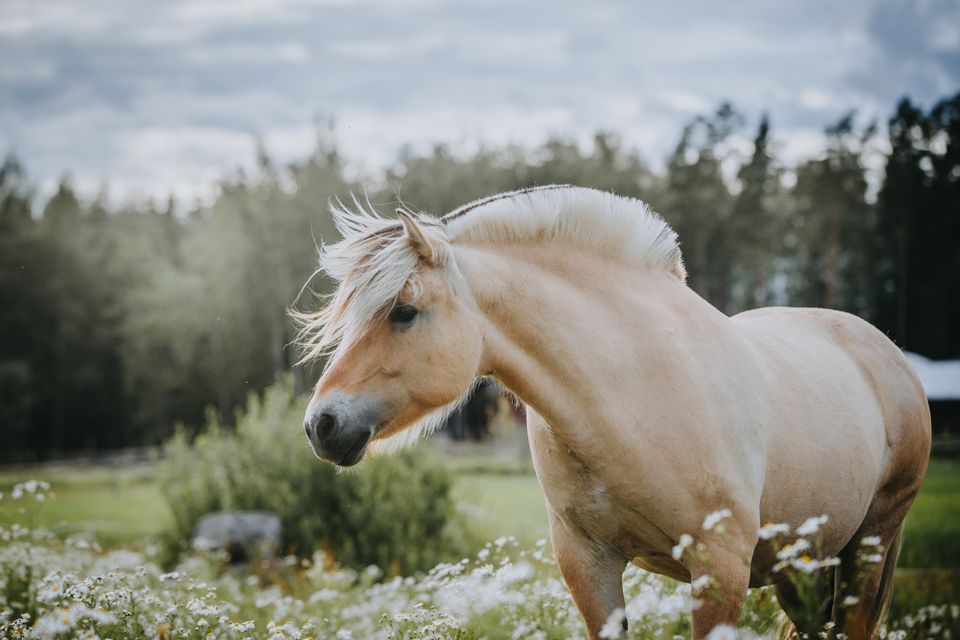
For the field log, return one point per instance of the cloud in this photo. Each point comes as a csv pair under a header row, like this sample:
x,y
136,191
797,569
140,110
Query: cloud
x,y
155,97
916,48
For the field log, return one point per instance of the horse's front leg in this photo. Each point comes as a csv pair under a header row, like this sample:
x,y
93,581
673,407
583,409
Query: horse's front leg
x,y
720,577
593,573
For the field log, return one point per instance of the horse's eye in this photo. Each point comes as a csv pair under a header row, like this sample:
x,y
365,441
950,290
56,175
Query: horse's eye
x,y
403,314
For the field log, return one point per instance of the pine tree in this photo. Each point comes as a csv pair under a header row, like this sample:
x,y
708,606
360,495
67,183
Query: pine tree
x,y
753,225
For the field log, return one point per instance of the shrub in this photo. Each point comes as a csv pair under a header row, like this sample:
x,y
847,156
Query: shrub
x,y
392,512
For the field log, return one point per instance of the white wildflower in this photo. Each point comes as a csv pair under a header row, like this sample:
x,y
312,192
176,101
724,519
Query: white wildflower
x,y
514,572
849,601
613,628
503,541
723,632
791,550
770,530
685,541
323,595
35,488
811,525
806,564
701,583
870,541
714,518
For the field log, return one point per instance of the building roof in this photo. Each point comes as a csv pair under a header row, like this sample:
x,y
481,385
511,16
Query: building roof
x,y
940,378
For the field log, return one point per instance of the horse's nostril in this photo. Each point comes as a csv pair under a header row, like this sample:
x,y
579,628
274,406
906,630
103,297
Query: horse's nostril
x,y
325,425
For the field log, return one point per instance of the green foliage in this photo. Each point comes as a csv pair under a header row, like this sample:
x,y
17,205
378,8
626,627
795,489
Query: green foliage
x,y
394,512
918,230
59,366
697,202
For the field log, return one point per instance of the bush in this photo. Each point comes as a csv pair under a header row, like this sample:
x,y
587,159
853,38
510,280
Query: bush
x,y
394,512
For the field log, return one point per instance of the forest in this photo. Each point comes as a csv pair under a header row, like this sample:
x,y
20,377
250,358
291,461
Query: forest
x,y
119,322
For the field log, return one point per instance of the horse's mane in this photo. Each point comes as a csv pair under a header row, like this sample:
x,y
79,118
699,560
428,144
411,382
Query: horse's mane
x,y
613,226
374,261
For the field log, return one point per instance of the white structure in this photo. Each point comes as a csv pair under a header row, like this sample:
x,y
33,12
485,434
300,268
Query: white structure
x,y
940,378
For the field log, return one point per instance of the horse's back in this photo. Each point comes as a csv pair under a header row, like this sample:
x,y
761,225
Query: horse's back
x,y
881,364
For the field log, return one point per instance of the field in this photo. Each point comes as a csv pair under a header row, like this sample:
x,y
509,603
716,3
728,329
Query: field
x,y
122,507
125,505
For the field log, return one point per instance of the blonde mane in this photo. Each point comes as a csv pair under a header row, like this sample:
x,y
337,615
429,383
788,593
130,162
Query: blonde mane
x,y
613,226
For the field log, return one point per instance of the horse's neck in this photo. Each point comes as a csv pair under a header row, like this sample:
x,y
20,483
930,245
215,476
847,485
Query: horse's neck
x,y
567,331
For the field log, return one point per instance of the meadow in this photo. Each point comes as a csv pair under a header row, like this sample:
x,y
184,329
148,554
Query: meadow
x,y
101,521
123,506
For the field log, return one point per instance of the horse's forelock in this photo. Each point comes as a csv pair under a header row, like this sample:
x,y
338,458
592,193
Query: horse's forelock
x,y
372,264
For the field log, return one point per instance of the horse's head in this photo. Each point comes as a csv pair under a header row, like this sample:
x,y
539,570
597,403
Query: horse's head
x,y
402,332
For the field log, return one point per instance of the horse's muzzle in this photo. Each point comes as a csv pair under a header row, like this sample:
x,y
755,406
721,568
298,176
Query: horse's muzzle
x,y
339,429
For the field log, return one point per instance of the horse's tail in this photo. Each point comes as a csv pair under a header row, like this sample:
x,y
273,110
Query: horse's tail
x,y
885,592
784,629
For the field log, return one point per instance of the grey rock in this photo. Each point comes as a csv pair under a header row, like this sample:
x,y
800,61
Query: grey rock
x,y
244,535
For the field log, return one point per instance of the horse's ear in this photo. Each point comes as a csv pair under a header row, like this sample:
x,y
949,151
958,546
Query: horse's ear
x,y
418,239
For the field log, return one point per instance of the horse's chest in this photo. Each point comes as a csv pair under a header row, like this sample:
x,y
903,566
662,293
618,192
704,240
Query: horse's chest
x,y
589,505
581,501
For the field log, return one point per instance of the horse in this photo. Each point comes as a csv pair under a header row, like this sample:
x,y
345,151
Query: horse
x,y
648,410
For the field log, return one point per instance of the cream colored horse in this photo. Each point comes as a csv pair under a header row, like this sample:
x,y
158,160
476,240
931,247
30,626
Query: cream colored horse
x,y
647,408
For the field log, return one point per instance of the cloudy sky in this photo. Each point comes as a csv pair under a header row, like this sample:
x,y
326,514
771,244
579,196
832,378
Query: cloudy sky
x,y
153,97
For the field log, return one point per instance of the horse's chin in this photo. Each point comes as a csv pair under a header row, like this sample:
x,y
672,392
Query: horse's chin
x,y
354,454
348,458
352,457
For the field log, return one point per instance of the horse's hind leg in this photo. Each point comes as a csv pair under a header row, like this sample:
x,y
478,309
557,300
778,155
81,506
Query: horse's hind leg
x,y
865,584
865,574
807,613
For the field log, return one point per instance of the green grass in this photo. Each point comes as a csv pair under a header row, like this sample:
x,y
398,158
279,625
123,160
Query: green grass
x,y
115,506
497,504
929,564
932,537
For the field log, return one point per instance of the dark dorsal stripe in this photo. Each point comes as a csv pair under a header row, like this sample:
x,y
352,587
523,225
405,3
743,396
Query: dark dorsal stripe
x,y
456,213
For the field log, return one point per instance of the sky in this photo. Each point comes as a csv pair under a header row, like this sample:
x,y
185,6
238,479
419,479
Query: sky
x,y
152,98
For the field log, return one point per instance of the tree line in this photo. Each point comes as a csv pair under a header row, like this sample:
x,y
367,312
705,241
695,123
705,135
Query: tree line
x,y
117,322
